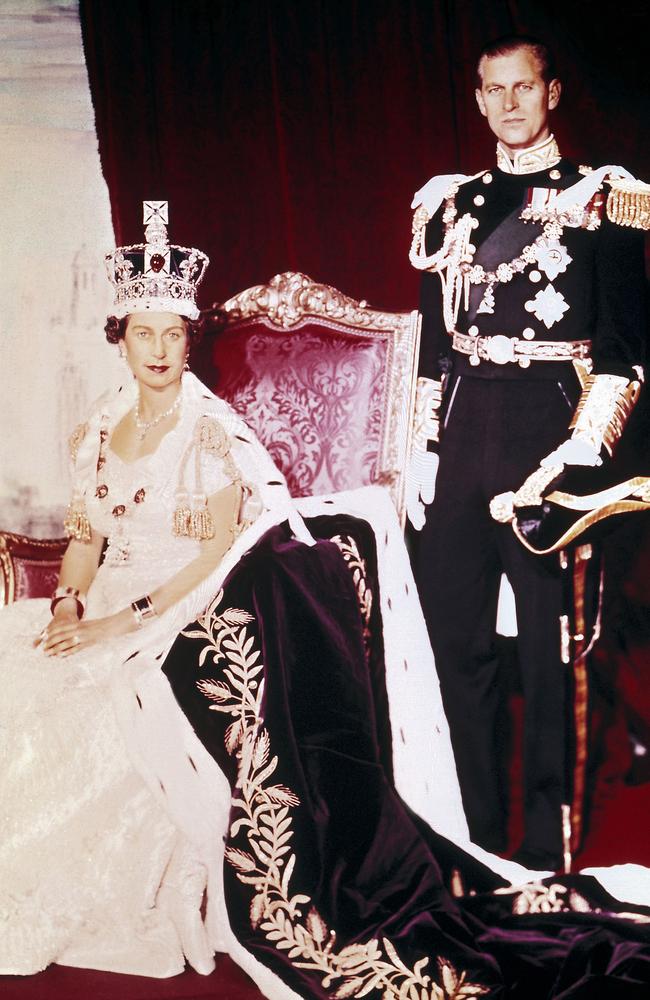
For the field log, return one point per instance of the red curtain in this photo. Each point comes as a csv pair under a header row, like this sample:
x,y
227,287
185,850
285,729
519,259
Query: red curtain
x,y
291,134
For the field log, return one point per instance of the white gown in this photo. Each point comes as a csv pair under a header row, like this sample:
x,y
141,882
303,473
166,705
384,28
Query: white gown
x,y
85,846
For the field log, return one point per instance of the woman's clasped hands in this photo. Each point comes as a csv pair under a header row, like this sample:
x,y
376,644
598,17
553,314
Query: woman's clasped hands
x,y
66,634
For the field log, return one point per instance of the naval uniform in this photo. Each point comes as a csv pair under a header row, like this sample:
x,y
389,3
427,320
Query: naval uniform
x,y
504,409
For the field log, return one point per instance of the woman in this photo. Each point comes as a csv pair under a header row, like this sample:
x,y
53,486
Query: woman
x,y
92,871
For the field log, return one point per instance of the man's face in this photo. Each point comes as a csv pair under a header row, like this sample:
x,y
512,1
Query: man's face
x,y
516,99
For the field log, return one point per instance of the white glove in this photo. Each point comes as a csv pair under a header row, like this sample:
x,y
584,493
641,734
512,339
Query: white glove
x,y
420,485
574,451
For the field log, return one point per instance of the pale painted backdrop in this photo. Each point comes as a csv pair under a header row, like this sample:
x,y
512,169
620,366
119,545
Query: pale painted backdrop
x,y
54,230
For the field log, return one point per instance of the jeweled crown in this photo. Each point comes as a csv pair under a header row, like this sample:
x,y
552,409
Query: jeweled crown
x,y
156,276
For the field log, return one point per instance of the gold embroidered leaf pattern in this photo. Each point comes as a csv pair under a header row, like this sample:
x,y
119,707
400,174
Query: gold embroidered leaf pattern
x,y
357,566
234,734
256,909
357,970
240,860
215,690
261,751
349,989
316,926
235,616
278,793
535,897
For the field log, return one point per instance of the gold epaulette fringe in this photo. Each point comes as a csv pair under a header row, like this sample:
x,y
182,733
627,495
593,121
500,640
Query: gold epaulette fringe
x,y
202,526
192,521
628,204
76,524
182,518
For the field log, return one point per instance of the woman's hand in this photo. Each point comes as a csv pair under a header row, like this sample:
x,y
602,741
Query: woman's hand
x,y
66,634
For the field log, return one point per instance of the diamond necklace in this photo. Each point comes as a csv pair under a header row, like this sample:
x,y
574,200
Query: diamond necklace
x,y
146,425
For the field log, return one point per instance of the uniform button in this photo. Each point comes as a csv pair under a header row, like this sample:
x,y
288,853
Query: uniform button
x,y
479,199
535,276
555,174
524,362
529,333
487,178
474,223
473,330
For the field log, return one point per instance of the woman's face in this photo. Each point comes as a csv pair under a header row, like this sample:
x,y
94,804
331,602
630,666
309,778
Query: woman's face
x,y
156,347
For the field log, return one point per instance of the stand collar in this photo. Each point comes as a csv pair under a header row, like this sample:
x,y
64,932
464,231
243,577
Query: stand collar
x,y
541,156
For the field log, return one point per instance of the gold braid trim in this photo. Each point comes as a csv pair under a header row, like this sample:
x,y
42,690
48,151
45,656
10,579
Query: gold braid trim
x,y
536,897
75,440
426,425
628,204
76,524
531,493
192,518
421,217
262,813
603,410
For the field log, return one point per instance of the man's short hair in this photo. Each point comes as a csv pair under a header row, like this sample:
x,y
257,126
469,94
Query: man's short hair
x,y
507,44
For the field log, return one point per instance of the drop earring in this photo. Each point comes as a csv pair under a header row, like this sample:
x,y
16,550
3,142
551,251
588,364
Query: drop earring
x,y
124,358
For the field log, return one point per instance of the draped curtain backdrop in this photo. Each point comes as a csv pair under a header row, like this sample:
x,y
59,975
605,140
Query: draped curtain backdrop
x,y
291,134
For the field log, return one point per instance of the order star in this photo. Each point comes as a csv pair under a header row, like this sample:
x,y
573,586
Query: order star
x,y
548,306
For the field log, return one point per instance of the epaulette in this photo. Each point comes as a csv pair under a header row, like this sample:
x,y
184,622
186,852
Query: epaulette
x,y
75,440
628,203
436,190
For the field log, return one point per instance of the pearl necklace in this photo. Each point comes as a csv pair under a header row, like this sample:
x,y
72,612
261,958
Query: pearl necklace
x,y
146,425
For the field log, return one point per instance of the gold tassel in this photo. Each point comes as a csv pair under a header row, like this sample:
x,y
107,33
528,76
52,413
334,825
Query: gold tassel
x,y
76,524
201,525
182,519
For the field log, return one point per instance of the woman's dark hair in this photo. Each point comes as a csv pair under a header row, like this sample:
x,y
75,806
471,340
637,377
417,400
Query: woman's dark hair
x,y
116,328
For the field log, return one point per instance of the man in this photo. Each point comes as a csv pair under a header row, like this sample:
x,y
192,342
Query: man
x,y
532,302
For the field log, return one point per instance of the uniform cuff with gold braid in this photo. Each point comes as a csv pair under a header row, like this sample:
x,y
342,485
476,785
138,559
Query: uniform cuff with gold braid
x,y
61,593
426,425
143,610
604,409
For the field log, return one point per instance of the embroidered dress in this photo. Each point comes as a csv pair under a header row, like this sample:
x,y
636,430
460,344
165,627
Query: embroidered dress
x,y
85,844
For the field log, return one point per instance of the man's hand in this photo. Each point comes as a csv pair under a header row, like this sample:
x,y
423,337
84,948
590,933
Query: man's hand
x,y
574,451
423,466
420,485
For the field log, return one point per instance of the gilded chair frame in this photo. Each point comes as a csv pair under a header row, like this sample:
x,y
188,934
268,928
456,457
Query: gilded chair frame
x,y
47,551
291,300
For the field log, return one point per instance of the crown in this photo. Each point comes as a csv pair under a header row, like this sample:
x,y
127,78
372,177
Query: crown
x,y
154,275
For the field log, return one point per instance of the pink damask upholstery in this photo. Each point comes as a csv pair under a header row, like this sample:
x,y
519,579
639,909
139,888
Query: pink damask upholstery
x,y
326,383
29,567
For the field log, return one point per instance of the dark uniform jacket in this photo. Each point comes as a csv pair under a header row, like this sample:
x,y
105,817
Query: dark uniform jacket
x,y
603,283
